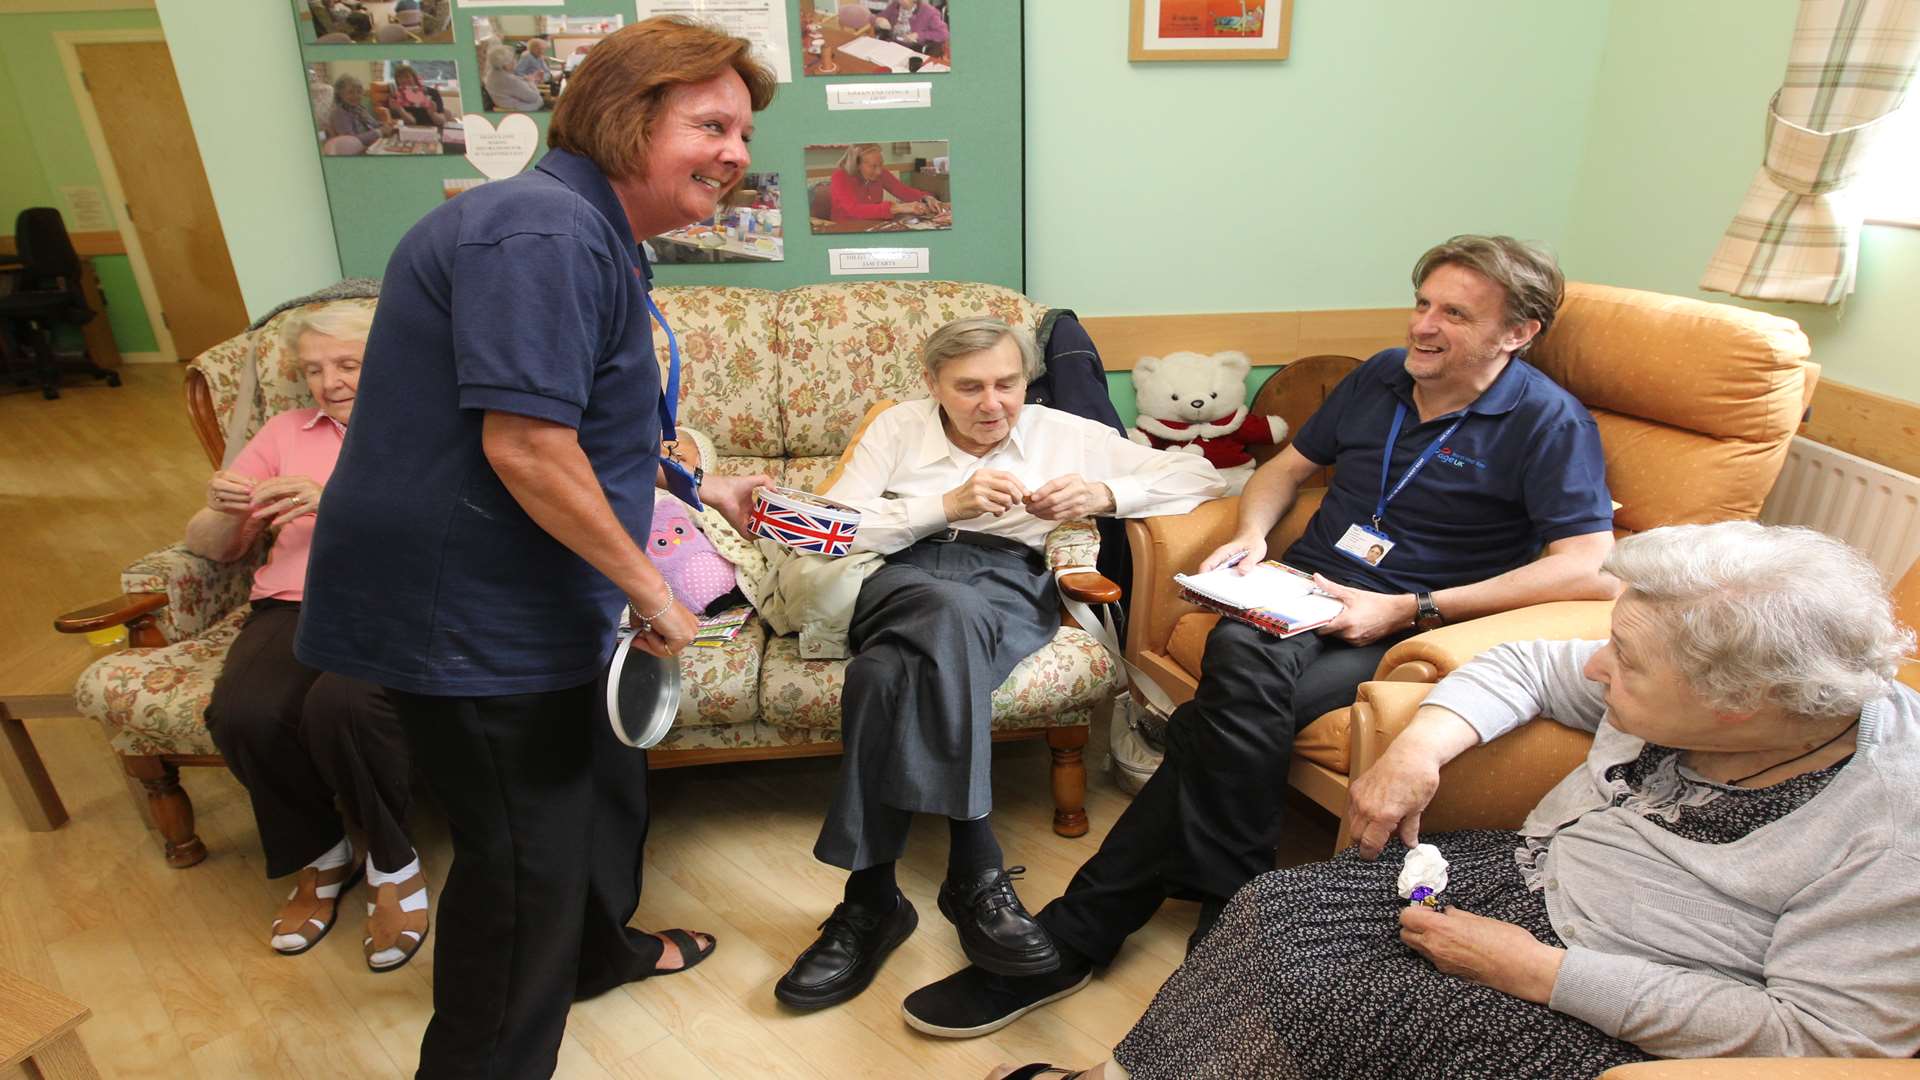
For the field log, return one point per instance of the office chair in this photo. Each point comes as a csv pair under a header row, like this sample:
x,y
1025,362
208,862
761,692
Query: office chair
x,y
45,292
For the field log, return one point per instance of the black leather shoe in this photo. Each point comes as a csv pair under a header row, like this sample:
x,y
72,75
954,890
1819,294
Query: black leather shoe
x,y
853,943
996,932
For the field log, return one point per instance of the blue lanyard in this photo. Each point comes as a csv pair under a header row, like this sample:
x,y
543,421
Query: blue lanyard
x,y
670,398
1386,459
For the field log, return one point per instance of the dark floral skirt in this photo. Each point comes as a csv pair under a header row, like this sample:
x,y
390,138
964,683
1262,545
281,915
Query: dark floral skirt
x,y
1305,976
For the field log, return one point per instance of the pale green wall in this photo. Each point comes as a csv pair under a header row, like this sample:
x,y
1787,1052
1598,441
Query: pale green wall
x,y
1674,139
43,148
1310,183
239,68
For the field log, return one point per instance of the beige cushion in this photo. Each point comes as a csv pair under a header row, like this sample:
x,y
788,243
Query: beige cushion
x,y
1189,641
1327,741
150,701
846,347
730,370
1695,401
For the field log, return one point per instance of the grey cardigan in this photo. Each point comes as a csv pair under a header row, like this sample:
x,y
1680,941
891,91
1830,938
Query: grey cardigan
x,y
1803,938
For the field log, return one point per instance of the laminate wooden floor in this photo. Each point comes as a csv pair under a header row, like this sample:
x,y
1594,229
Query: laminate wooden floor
x,y
175,963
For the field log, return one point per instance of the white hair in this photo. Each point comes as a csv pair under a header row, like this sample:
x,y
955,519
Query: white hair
x,y
964,337
347,322
1763,615
500,57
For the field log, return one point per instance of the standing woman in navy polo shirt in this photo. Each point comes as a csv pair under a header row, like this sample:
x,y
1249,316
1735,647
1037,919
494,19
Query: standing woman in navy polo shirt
x,y
478,541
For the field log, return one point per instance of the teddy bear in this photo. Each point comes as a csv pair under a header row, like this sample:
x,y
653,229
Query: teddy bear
x,y
1196,404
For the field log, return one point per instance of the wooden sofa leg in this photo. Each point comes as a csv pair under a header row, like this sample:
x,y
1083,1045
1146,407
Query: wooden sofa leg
x,y
1069,779
172,810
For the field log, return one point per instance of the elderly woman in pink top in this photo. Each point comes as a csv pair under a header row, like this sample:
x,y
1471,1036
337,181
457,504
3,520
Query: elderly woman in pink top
x,y
297,738
859,186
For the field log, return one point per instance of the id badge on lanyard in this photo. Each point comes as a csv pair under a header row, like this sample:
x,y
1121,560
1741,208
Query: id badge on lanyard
x,y
1369,543
682,483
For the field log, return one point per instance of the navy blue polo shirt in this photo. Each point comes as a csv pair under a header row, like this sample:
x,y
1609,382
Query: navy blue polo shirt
x,y
1523,470
524,296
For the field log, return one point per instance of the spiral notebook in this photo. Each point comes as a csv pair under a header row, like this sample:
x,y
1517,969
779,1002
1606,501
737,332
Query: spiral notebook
x,y
1278,599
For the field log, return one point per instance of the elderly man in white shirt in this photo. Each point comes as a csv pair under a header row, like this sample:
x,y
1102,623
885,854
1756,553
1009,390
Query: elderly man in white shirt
x,y
959,492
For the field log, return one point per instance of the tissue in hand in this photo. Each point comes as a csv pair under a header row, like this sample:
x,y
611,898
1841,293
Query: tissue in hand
x,y
1426,869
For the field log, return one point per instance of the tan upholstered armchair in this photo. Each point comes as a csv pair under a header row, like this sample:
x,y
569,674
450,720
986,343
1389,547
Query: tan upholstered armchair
x,y
1696,403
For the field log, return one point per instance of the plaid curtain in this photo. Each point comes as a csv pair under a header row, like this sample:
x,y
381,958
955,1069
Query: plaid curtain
x,y
1796,235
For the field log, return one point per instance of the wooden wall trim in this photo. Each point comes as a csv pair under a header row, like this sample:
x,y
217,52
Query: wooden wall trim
x,y
1879,427
85,244
1269,337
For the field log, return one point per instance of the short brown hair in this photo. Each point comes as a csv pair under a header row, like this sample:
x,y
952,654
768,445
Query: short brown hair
x,y
1531,278
614,97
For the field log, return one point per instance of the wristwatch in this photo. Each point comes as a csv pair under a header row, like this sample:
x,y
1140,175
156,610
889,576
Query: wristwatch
x,y
1427,616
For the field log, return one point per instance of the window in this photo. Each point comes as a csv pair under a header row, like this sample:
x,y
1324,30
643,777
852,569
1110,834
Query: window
x,y
1890,187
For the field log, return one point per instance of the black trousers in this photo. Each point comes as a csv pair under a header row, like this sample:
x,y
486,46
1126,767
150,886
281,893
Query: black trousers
x,y
548,815
1208,820
297,738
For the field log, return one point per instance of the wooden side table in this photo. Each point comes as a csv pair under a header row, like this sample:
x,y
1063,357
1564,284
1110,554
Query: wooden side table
x,y
37,1031
20,765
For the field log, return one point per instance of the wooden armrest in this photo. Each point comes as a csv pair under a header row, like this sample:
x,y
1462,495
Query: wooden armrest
x,y
1426,657
119,611
1089,589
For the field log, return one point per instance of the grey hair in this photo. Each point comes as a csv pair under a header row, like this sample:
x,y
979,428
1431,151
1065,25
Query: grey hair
x,y
501,58
347,322
1767,615
964,337
340,84
1530,276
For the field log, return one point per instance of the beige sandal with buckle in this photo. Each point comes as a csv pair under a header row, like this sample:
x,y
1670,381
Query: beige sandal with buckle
x,y
389,928
307,916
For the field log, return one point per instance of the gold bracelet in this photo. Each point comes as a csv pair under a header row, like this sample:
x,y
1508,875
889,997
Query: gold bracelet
x,y
645,622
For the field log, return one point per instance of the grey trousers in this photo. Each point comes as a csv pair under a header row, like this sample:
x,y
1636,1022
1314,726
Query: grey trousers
x,y
934,632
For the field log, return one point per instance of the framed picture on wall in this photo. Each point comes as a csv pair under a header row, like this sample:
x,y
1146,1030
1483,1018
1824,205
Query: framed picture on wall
x,y
901,185
386,108
377,22
875,37
1210,30
526,60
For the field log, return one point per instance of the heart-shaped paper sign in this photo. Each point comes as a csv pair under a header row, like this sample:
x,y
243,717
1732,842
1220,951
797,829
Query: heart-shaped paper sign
x,y
500,152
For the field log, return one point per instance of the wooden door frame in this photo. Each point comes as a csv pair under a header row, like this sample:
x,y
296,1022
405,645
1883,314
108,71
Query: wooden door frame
x,y
64,41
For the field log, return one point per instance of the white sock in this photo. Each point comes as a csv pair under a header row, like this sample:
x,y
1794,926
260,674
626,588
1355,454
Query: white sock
x,y
332,859
414,901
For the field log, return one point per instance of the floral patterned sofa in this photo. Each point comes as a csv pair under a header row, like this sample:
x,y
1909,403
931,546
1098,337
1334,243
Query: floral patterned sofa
x,y
779,381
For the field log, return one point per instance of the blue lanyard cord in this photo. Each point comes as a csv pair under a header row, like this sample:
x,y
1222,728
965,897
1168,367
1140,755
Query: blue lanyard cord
x,y
670,399
1386,459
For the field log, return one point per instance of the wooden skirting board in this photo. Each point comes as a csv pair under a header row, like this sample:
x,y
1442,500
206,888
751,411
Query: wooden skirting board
x,y
1268,337
1878,427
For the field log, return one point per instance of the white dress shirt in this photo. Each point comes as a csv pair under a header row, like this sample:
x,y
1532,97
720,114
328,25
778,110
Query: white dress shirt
x,y
904,465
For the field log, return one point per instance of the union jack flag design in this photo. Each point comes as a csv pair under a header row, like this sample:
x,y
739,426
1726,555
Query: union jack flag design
x,y
816,529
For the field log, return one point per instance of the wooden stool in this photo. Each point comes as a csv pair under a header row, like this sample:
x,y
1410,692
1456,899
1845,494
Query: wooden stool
x,y
36,1031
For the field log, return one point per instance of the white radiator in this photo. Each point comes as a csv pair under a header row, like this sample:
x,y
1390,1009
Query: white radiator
x,y
1869,506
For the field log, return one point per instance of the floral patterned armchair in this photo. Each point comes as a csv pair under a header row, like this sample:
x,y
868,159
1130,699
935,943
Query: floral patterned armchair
x,y
779,381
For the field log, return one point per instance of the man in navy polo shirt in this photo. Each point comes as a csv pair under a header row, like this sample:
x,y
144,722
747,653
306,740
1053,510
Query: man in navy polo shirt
x,y
1466,483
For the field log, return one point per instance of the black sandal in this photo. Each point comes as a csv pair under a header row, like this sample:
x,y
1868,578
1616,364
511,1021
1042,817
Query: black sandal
x,y
1042,1068
690,951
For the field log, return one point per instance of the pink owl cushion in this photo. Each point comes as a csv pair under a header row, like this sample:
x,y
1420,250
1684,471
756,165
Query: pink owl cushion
x,y
685,557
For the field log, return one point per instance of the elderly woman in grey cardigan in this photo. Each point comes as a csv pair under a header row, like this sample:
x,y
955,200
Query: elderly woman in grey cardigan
x,y
1733,871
